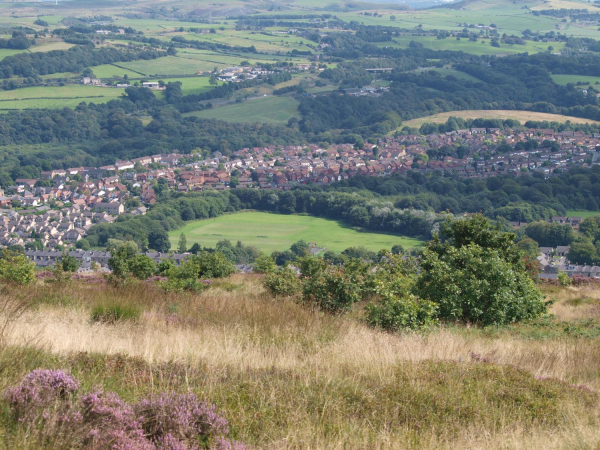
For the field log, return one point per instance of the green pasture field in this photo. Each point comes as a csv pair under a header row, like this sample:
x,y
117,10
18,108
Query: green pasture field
x,y
168,65
584,214
55,97
522,116
4,52
110,71
456,73
566,79
191,85
49,46
263,109
475,48
271,232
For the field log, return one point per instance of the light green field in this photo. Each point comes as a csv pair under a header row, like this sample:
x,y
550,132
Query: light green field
x,y
168,65
475,48
56,97
584,214
263,109
271,232
522,116
49,46
109,71
566,79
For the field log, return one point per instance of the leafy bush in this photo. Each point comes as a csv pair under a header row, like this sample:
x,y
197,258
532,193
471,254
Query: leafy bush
x,y
283,282
264,264
477,276
331,290
15,268
211,265
115,313
397,307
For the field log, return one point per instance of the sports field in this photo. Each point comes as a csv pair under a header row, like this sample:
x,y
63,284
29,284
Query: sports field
x,y
264,110
522,116
270,232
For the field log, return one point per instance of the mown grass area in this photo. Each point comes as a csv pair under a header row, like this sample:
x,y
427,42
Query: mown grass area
x,y
264,109
584,214
522,116
287,377
56,96
110,70
168,65
270,232
574,79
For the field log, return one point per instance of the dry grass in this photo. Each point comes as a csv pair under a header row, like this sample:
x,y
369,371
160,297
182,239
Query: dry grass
x,y
289,378
522,116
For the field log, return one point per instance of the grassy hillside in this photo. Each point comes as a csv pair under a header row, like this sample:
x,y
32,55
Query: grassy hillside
x,y
56,96
522,116
264,109
286,377
270,232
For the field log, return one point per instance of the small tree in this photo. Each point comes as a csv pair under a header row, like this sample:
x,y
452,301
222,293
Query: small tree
x,y
141,267
477,275
182,245
264,264
15,268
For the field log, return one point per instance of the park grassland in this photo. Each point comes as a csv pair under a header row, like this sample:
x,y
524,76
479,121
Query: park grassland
x,y
56,96
269,232
287,378
270,109
521,116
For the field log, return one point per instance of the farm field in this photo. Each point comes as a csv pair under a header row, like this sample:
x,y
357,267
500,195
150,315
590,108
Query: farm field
x,y
574,79
263,109
522,116
168,65
475,48
55,97
270,232
110,70
584,214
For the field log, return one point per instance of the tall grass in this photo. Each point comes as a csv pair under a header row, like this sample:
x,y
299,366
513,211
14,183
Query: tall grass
x,y
289,378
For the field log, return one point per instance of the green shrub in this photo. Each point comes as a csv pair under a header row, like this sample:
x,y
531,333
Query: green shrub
x,y
15,268
115,313
477,276
331,290
564,279
283,282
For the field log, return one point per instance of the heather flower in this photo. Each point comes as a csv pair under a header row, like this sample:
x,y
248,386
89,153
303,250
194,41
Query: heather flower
x,y
169,442
182,416
222,443
112,422
40,389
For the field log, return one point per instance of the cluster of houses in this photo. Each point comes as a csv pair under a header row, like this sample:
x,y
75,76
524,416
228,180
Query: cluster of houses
x,y
91,260
59,207
552,261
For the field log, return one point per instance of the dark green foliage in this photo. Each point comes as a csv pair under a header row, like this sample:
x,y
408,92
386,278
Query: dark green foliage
x,y
477,276
115,313
283,282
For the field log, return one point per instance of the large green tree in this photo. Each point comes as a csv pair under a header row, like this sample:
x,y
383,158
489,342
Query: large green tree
x,y
473,272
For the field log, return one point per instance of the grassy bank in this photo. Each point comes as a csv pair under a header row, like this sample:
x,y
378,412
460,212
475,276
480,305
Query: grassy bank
x,y
286,377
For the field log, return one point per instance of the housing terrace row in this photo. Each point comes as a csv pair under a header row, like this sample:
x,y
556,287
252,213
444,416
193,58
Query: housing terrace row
x,y
67,202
